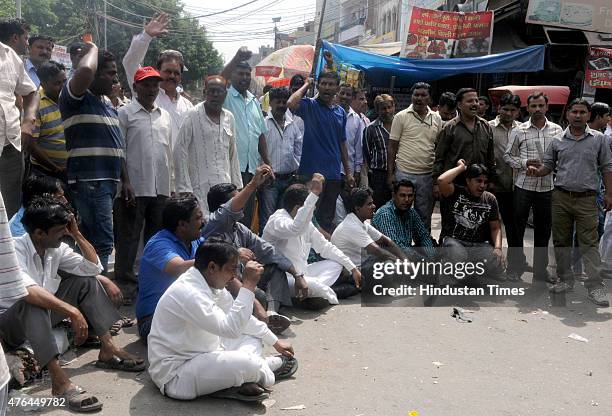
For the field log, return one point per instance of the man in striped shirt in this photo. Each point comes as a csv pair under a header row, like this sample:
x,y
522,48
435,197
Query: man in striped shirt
x,y
48,148
528,142
95,146
375,140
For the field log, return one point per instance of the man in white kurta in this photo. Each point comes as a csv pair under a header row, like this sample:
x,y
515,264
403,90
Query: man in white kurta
x,y
291,231
202,340
205,151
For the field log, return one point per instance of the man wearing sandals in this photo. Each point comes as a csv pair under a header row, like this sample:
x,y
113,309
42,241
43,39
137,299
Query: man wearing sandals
x,y
202,341
50,299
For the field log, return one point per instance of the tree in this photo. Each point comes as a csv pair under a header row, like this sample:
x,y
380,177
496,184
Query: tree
x,y
67,20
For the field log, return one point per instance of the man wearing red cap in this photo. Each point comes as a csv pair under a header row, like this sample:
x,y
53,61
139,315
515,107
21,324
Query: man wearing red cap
x,y
147,130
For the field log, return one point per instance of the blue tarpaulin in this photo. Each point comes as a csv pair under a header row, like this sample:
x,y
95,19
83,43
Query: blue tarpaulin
x,y
379,68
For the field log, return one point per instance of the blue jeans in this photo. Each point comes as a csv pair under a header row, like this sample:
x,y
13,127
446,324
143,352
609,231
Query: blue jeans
x,y
269,198
93,201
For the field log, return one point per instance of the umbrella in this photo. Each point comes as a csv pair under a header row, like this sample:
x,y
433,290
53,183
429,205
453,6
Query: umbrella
x,y
285,63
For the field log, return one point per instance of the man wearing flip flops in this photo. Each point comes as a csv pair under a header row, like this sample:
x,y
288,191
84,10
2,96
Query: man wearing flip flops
x,y
50,299
205,342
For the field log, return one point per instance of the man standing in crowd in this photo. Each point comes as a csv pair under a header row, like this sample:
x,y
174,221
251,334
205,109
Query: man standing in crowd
x,y
14,38
354,129
530,141
250,123
147,131
203,341
284,142
170,66
95,145
412,145
295,84
375,144
399,221
360,105
325,148
577,154
41,47
483,106
291,232
205,151
80,297
47,148
447,106
471,229
468,137
502,125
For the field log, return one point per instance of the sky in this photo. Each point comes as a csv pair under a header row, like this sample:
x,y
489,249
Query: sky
x,y
250,25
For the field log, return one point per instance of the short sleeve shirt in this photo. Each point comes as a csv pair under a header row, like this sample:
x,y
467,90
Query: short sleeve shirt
x,y
93,137
352,235
466,217
324,132
152,280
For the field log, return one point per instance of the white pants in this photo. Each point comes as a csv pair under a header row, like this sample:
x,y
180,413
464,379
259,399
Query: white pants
x,y
320,276
239,362
605,244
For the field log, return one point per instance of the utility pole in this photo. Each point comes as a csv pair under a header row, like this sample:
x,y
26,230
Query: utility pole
x,y
275,20
105,21
318,44
18,8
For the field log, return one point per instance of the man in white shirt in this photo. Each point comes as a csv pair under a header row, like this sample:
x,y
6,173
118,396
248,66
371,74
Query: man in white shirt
x,y
147,131
202,341
50,299
291,231
170,66
284,140
354,235
205,151
15,82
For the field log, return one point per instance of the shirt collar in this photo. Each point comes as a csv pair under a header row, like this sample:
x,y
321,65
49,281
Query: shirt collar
x,y
4,48
134,107
529,125
412,110
29,65
30,247
162,92
43,95
234,92
288,119
496,122
587,132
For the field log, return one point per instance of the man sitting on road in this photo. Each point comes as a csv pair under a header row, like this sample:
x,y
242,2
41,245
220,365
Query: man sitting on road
x,y
226,205
398,220
50,299
471,229
203,341
291,231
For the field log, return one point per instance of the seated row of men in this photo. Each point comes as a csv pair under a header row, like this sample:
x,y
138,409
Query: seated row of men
x,y
210,290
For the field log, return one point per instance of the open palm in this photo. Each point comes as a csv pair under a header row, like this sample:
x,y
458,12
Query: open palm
x,y
158,25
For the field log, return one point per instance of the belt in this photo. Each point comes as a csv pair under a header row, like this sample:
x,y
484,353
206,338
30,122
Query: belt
x,y
284,175
583,194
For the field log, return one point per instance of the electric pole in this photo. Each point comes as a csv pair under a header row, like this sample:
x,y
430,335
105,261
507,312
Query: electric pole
x,y
275,20
18,8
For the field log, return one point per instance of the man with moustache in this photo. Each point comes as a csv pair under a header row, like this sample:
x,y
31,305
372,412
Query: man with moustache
x,y
530,141
354,129
375,141
170,66
41,47
447,106
412,141
468,137
147,132
250,124
96,161
205,153
325,148
577,154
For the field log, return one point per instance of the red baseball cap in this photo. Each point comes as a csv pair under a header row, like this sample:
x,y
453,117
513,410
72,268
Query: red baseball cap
x,y
146,72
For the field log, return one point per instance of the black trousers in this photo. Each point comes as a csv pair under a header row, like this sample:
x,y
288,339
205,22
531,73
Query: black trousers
x,y
377,180
516,256
540,202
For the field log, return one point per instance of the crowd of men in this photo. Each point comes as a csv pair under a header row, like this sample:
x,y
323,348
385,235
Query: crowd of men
x,y
246,206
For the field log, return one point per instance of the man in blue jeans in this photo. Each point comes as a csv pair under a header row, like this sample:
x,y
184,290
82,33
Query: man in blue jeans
x,y
95,146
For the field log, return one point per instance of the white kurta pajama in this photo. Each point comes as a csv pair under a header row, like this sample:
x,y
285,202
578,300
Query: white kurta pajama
x,y
205,154
294,237
203,341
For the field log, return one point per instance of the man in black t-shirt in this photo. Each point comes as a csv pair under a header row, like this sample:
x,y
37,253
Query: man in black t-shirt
x,y
471,229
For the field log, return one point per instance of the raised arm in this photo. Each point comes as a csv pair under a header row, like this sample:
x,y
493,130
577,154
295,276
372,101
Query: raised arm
x,y
293,103
86,71
445,181
243,54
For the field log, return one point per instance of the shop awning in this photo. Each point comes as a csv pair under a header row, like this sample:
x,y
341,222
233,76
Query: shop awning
x,y
379,69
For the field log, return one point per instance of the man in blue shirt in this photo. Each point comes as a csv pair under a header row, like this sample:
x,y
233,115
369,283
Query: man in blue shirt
x,y
324,149
167,255
41,48
250,123
399,221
